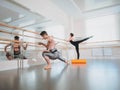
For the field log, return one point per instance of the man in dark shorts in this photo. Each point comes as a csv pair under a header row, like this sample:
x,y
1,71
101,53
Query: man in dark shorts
x,y
51,52
16,49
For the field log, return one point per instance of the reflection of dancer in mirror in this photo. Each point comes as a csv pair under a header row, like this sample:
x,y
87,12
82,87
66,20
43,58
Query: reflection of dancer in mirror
x,y
51,52
16,49
76,43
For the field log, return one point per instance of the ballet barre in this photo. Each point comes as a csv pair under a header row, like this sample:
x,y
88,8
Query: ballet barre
x,y
18,28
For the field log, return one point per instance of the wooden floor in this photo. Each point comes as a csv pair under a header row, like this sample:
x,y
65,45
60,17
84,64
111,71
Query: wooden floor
x,y
95,75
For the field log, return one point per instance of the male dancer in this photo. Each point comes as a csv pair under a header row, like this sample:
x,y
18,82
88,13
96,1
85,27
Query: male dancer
x,y
16,49
51,52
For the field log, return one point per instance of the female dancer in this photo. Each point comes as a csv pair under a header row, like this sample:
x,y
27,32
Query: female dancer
x,y
76,43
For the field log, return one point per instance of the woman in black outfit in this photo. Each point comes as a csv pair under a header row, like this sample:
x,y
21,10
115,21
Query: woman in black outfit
x,y
76,43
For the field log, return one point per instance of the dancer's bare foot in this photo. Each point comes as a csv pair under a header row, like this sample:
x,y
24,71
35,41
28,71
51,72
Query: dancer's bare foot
x,y
67,62
47,67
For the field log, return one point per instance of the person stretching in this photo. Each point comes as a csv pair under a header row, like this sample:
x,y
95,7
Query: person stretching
x,y
51,52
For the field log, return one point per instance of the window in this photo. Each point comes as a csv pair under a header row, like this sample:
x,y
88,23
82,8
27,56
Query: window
x,y
104,28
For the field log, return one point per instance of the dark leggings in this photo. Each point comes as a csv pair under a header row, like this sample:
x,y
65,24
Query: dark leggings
x,y
76,44
77,50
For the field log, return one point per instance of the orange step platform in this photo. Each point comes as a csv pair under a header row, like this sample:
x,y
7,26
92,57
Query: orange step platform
x,y
79,61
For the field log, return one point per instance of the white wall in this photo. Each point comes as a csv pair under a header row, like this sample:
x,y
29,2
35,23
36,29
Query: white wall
x,y
56,31
104,28
79,27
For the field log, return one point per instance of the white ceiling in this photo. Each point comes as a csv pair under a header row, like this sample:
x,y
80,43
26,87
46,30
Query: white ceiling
x,y
68,6
88,8
15,14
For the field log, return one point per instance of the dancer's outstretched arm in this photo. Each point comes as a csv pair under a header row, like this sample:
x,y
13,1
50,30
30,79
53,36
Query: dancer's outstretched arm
x,y
42,44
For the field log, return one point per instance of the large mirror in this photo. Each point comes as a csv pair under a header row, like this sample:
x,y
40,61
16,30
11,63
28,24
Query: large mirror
x,y
14,42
